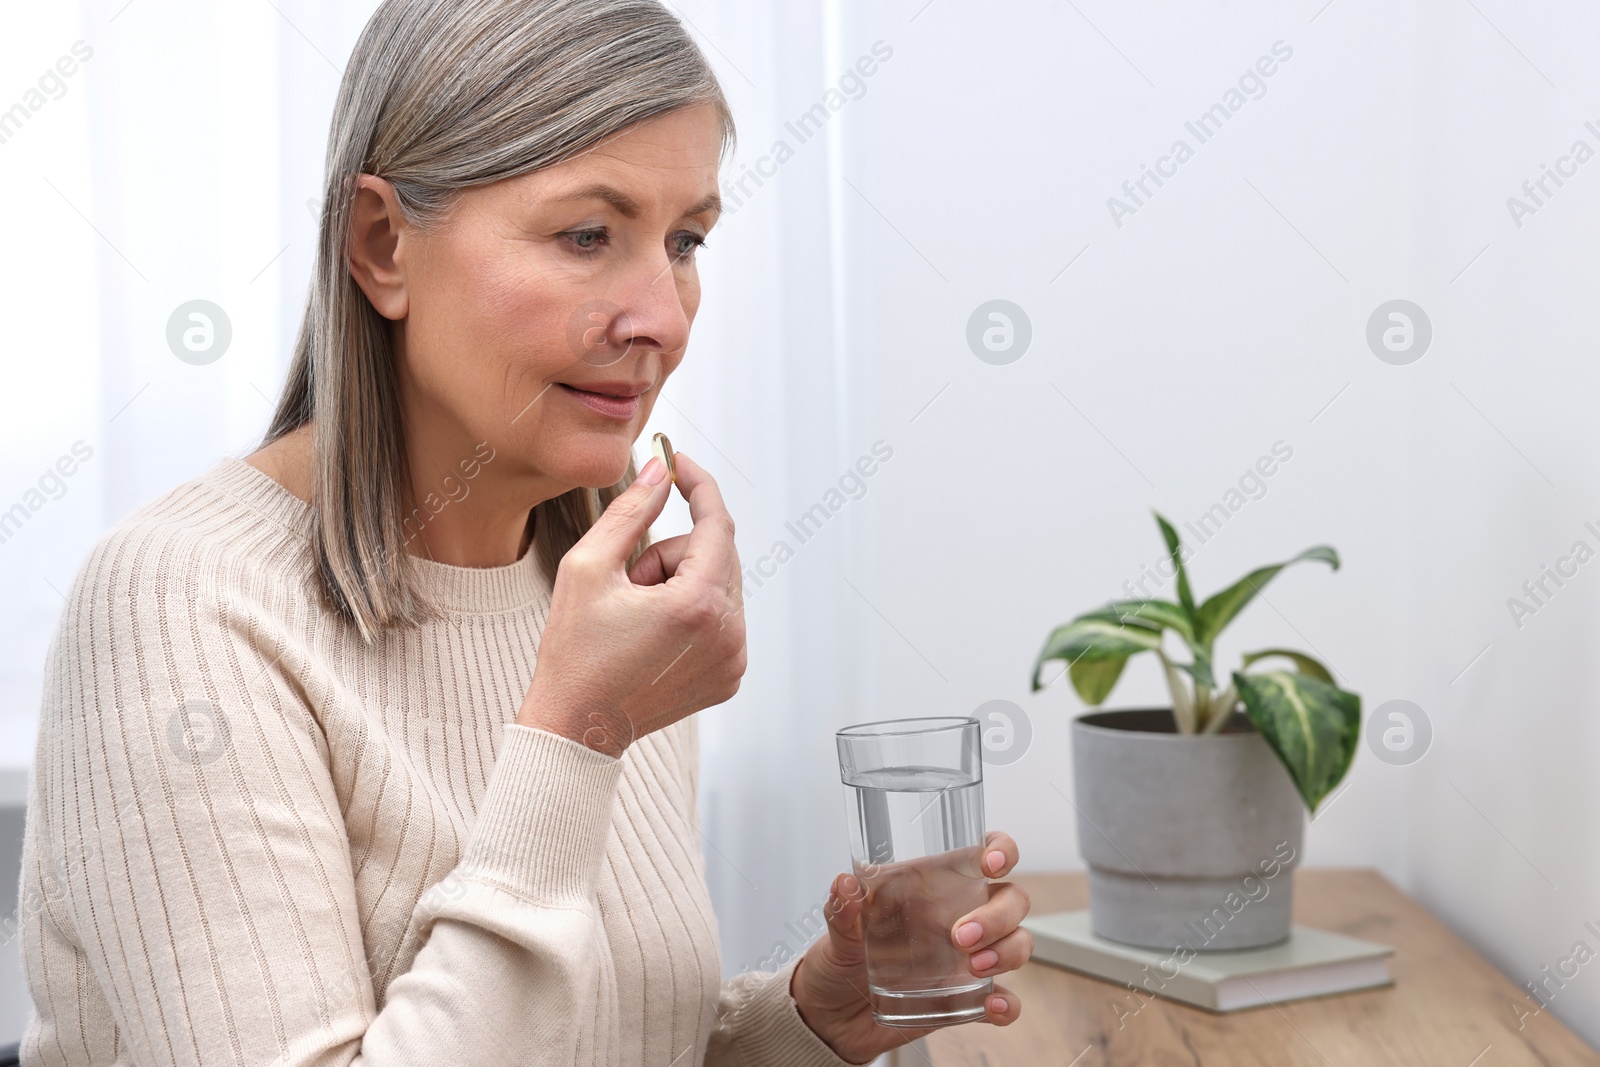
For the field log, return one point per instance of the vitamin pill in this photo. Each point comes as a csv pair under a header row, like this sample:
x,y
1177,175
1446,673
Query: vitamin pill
x,y
663,448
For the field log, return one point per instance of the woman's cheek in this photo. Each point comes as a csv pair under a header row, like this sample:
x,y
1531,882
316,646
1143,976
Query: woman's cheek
x,y
668,365
502,295
523,323
689,297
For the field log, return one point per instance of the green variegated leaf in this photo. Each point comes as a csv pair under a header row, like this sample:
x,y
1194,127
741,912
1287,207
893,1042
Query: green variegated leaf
x,y
1219,710
1160,612
1311,725
1175,548
1306,664
1200,669
1220,609
1309,722
1183,709
1095,678
1091,639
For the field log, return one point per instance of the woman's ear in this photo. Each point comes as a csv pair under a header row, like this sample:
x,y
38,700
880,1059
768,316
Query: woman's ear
x,y
377,238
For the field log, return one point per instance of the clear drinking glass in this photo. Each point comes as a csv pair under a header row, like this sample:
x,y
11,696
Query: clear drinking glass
x,y
915,798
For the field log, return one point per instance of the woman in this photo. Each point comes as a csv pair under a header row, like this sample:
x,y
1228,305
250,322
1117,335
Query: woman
x,y
320,803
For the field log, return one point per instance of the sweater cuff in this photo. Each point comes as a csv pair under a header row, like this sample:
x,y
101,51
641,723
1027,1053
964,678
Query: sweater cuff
x,y
542,827
774,1035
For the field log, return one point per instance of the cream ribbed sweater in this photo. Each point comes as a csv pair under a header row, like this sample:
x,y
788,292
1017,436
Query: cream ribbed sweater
x,y
252,840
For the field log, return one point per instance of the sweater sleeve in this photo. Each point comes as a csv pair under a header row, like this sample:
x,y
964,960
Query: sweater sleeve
x,y
195,893
758,1024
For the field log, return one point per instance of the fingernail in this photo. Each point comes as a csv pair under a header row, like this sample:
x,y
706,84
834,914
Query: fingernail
x,y
653,471
985,959
968,933
999,1006
850,886
997,859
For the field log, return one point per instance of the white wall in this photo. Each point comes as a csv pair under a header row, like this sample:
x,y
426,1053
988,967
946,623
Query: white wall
x,y
1224,315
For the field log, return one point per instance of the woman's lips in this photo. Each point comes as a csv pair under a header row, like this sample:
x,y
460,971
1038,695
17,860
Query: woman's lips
x,y
615,407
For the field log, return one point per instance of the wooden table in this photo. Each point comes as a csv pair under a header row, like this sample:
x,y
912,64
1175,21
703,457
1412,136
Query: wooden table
x,y
1448,1006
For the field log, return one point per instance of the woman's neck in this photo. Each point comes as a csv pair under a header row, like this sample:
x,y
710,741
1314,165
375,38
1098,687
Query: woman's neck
x,y
458,521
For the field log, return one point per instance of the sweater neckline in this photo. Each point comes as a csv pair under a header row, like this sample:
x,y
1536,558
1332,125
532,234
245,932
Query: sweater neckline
x,y
464,589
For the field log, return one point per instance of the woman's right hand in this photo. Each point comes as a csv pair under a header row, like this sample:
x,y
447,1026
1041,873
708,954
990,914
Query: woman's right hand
x,y
626,652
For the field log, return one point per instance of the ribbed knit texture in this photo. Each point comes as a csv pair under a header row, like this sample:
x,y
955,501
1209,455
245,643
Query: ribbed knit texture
x,y
254,841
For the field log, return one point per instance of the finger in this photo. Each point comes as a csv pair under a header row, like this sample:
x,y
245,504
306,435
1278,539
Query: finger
x,y
710,553
627,518
846,899
659,561
1002,1006
1006,954
1007,906
999,854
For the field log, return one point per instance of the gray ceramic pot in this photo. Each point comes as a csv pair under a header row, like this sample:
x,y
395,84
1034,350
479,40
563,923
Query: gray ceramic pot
x,y
1190,840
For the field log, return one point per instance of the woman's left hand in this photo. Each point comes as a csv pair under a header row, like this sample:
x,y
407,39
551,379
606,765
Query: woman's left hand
x,y
829,985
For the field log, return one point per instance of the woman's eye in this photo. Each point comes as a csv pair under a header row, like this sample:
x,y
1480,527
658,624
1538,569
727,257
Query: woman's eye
x,y
688,244
586,240
589,242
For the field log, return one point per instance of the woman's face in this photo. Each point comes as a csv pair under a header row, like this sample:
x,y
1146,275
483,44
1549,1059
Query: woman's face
x,y
546,313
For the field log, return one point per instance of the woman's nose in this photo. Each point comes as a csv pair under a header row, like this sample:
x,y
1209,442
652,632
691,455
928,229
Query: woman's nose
x,y
652,308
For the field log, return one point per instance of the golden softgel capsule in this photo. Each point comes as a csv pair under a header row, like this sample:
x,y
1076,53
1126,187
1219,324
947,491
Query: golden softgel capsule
x,y
663,448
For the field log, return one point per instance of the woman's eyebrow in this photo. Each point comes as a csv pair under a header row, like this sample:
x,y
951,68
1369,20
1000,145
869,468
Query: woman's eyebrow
x,y
625,204
628,207
710,202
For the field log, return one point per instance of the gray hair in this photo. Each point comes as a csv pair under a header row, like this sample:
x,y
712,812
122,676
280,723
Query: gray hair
x,y
440,96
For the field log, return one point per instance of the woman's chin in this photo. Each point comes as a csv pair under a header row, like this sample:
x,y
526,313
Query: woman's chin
x,y
597,472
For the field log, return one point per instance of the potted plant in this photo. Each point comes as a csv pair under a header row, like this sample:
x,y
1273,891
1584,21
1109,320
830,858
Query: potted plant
x,y
1190,819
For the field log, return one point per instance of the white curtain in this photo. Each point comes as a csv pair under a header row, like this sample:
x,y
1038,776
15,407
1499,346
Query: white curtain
x,y
766,398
